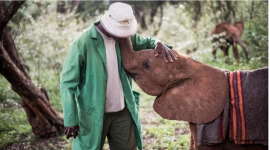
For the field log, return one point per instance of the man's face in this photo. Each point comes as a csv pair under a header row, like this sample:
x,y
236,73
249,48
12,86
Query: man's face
x,y
103,30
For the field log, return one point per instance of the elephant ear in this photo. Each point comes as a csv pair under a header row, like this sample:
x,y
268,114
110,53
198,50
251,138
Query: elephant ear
x,y
199,98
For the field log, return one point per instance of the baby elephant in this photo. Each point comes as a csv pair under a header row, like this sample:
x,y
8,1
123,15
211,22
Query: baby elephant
x,y
226,110
224,35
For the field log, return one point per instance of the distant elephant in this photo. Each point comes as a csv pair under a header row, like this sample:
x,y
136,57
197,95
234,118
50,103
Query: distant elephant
x,y
231,35
190,91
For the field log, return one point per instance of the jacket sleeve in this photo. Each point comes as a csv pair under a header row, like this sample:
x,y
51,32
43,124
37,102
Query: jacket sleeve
x,y
139,42
70,79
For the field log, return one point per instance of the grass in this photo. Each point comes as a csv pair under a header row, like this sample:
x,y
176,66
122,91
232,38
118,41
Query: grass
x,y
16,132
205,56
14,126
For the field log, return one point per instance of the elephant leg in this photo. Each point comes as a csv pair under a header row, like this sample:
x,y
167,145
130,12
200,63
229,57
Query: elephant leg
x,y
243,47
235,51
214,51
193,134
225,49
214,47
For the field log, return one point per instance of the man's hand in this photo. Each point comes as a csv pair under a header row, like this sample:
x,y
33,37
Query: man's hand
x,y
166,52
72,131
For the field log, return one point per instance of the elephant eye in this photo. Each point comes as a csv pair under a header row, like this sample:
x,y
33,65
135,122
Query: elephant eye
x,y
145,65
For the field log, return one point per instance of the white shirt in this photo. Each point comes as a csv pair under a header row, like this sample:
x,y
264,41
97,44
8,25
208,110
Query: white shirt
x,y
114,93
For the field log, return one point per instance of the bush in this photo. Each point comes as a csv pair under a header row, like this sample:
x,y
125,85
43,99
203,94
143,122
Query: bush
x,y
257,35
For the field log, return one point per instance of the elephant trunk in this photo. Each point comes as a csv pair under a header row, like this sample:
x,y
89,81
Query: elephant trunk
x,y
127,53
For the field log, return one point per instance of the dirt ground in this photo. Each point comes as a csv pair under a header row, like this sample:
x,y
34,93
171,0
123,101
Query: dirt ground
x,y
55,143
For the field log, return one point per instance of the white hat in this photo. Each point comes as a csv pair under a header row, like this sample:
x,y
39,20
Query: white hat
x,y
119,20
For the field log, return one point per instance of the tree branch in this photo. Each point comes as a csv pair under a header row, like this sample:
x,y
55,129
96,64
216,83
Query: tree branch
x,y
8,14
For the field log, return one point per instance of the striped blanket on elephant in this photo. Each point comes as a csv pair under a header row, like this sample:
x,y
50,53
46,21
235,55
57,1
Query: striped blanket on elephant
x,y
245,116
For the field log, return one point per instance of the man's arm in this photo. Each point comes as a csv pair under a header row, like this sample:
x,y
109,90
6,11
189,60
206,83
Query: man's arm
x,y
140,43
70,79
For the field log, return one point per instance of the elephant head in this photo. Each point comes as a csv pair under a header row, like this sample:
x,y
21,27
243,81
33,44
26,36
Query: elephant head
x,y
186,89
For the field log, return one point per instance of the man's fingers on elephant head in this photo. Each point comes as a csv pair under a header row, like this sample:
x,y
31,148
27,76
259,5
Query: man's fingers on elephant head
x,y
170,53
164,54
156,52
165,59
169,56
173,54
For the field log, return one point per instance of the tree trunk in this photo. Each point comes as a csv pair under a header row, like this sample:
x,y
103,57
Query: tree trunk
x,y
64,7
153,12
43,118
74,5
61,6
197,14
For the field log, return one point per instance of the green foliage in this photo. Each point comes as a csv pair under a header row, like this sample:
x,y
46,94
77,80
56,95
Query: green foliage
x,y
89,9
14,126
257,35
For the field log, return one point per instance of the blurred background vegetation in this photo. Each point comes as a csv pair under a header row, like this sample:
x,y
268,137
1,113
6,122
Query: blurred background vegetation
x,y
43,31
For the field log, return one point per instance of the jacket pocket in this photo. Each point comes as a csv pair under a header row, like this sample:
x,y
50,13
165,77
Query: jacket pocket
x,y
137,99
86,119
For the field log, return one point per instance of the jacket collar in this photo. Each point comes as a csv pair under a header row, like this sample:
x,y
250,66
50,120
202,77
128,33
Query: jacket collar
x,y
101,47
93,32
99,43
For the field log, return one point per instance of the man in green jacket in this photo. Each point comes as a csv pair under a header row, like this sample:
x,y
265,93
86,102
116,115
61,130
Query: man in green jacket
x,y
96,93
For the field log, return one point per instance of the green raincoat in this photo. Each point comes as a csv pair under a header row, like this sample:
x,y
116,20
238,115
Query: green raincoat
x,y
83,87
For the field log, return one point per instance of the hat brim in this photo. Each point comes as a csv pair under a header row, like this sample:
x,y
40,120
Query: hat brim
x,y
109,25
